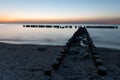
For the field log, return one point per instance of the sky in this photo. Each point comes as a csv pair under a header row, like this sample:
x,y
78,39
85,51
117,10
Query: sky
x,y
60,11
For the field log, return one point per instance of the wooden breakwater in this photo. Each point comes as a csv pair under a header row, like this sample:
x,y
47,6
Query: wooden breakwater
x,y
104,27
49,26
76,39
69,26
101,69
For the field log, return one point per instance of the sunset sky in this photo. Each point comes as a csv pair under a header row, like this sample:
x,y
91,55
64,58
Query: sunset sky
x,y
64,11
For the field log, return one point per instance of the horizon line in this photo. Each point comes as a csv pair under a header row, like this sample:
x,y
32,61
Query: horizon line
x,y
61,22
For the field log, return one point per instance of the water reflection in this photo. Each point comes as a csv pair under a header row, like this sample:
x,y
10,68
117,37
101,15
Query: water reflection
x,y
54,35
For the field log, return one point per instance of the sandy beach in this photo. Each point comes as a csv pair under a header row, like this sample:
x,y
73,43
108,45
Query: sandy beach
x,y
25,62
28,62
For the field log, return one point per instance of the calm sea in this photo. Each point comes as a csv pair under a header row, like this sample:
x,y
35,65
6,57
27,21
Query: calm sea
x,y
15,33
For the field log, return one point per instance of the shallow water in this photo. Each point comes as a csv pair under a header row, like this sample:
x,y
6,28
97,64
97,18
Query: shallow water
x,y
15,33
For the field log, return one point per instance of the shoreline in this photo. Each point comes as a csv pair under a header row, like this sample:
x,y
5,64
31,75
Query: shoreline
x,y
108,48
30,44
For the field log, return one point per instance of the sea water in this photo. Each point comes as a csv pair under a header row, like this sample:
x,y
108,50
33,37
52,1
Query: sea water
x,y
17,34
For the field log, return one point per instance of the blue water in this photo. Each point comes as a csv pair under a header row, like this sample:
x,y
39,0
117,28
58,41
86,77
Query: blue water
x,y
15,33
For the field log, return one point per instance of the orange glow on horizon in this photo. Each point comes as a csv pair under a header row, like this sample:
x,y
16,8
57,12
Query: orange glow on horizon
x,y
7,19
45,20
11,19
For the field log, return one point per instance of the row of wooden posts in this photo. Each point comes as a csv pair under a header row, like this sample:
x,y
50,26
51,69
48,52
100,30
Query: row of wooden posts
x,y
68,26
104,27
61,56
94,54
75,40
49,26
